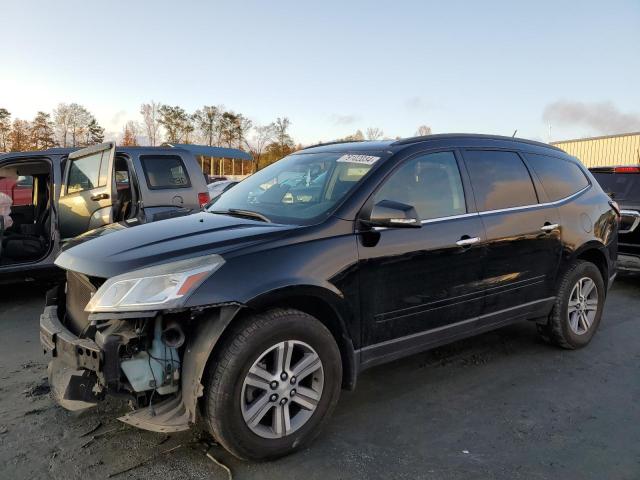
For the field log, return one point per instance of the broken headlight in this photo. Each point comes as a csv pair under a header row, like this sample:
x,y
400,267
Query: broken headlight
x,y
159,287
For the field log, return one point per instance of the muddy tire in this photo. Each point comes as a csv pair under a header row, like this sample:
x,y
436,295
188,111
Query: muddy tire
x,y
272,384
578,307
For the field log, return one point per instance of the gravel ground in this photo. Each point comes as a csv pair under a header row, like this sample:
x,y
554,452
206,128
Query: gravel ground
x,y
501,405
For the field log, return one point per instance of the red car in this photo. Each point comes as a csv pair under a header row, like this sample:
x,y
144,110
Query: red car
x,y
20,191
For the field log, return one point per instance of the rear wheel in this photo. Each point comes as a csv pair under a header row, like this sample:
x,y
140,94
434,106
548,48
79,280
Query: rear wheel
x,y
273,384
578,308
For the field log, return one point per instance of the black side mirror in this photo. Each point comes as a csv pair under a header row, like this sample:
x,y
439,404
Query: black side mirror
x,y
388,213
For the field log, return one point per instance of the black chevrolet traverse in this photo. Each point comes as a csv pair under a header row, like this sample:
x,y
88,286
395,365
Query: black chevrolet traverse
x,y
252,315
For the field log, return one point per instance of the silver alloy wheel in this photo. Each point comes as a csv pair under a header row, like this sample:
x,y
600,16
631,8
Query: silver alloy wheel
x,y
583,306
282,389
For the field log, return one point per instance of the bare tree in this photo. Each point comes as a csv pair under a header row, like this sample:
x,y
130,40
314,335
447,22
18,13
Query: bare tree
x,y
243,125
72,122
423,130
283,138
263,134
151,117
374,133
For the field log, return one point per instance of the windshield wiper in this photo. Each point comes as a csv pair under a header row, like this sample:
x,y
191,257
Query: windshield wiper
x,y
235,212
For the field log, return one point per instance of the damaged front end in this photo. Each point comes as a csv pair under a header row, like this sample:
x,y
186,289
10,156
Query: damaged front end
x,y
153,358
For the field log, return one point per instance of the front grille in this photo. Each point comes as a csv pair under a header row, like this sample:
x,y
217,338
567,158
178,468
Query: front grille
x,y
79,292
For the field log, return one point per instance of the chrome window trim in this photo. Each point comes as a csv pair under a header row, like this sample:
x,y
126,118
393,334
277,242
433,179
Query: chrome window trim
x,y
435,220
501,210
536,205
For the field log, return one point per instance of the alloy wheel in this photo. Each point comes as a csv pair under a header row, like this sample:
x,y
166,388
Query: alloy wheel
x,y
282,389
583,305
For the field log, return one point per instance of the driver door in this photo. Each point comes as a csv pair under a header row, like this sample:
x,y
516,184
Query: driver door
x,y
88,191
418,281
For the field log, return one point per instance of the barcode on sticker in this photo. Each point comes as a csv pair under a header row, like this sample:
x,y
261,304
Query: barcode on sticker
x,y
362,159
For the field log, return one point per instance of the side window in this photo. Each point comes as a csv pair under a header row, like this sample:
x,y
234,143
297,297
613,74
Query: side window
x,y
20,189
84,173
165,171
431,183
500,180
560,178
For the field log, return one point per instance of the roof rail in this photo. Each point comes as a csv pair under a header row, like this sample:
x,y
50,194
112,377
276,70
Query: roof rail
x,y
336,142
207,151
407,141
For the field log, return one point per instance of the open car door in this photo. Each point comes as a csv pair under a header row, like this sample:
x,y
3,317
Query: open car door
x,y
88,190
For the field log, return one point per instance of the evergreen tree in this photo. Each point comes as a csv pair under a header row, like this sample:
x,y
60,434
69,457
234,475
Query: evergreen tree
x,y
95,133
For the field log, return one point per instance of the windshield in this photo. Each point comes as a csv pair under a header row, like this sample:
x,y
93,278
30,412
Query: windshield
x,y
299,189
620,186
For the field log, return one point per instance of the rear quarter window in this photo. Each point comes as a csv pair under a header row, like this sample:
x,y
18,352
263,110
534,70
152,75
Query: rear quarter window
x,y
165,172
560,178
500,180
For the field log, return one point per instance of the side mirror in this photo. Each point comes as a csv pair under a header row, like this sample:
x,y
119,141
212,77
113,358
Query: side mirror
x,y
388,213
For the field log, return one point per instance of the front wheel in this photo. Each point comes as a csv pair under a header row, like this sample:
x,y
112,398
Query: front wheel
x,y
273,384
578,308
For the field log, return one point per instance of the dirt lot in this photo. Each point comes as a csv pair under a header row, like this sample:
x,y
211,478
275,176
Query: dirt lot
x,y
502,405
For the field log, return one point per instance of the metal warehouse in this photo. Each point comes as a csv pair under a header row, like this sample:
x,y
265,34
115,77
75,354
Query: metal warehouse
x,y
622,149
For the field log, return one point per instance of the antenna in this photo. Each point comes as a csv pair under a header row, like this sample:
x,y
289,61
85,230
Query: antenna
x,y
514,133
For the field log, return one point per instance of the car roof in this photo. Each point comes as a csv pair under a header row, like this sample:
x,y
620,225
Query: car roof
x,y
399,144
194,149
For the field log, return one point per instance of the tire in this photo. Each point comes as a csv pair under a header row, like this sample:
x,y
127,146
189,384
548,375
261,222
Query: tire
x,y
568,330
255,345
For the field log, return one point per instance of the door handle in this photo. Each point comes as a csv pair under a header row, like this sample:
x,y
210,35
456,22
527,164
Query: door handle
x,y
466,241
549,227
100,196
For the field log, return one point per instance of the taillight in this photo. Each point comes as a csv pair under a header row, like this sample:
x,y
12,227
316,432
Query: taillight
x,y
616,208
203,198
627,170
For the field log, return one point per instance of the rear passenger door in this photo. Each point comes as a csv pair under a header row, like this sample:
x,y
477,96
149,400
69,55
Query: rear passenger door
x,y
86,199
522,232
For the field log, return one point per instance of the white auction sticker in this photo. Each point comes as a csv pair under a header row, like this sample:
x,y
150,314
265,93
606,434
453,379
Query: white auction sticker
x,y
362,159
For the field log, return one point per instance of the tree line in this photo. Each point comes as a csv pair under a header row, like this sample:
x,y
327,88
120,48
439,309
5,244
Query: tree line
x,y
73,125
70,125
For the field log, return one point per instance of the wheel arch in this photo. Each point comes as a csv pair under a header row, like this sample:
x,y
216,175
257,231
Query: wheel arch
x,y
327,307
594,252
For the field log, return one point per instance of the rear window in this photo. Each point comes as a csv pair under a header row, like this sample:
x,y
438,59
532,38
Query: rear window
x,y
620,186
500,180
164,171
560,178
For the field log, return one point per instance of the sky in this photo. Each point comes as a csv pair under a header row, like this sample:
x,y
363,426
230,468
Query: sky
x,y
550,69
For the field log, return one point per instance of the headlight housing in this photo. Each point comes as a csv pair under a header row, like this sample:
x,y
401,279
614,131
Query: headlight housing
x,y
159,287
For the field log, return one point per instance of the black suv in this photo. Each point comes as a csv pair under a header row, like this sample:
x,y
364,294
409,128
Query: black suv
x,y
252,315
622,184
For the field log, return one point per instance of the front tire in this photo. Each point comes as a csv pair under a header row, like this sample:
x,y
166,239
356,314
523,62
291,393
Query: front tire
x,y
273,384
578,308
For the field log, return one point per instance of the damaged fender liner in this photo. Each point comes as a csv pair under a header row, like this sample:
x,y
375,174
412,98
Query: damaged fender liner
x,y
178,413
173,414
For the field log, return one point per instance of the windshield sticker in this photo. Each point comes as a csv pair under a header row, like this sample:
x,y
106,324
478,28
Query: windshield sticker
x,y
362,159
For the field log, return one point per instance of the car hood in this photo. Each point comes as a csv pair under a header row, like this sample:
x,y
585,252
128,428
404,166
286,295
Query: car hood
x,y
116,249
